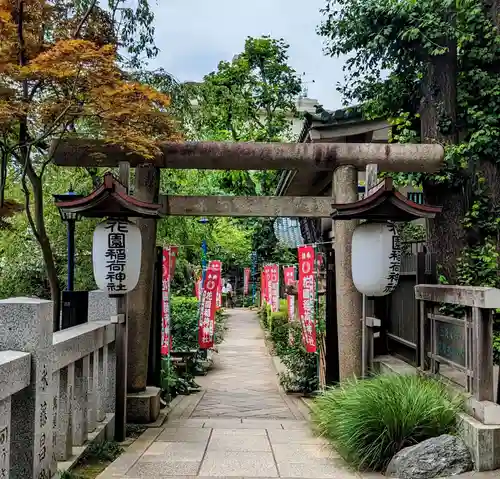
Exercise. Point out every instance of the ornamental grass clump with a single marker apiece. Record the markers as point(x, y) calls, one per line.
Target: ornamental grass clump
point(368, 421)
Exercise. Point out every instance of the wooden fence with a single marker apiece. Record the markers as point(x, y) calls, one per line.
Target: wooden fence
point(400, 310)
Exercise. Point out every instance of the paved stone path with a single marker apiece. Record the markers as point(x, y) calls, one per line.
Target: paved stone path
point(240, 425)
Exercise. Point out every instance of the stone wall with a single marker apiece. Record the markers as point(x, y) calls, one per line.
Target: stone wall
point(57, 390)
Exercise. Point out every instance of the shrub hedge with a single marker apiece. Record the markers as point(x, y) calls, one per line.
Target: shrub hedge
point(302, 369)
point(184, 323)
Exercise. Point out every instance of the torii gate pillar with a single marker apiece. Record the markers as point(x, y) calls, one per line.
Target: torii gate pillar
point(140, 302)
point(349, 299)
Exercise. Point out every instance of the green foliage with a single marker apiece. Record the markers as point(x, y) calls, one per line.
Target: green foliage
point(301, 367)
point(368, 421)
point(175, 381)
point(95, 459)
point(227, 239)
point(411, 232)
point(184, 331)
point(67, 475)
point(250, 98)
point(496, 348)
point(408, 40)
point(103, 451)
point(184, 324)
point(22, 270)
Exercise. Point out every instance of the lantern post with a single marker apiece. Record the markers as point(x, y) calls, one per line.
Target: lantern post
point(373, 249)
point(204, 252)
point(116, 257)
point(70, 219)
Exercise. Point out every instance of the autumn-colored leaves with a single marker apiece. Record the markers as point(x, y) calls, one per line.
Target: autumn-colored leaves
point(66, 85)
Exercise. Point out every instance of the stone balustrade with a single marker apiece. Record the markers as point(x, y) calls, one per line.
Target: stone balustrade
point(459, 348)
point(57, 390)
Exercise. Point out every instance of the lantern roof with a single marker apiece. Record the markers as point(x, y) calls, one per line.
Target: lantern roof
point(385, 203)
point(109, 200)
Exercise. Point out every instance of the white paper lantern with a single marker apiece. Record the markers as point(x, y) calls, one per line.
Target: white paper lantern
point(376, 258)
point(116, 255)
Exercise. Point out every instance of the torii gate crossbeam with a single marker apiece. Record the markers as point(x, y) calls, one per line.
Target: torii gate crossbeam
point(255, 156)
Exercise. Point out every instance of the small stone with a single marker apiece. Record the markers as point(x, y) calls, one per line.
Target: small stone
point(436, 457)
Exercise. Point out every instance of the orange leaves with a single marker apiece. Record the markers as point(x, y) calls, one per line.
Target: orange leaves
point(133, 115)
point(69, 59)
point(74, 84)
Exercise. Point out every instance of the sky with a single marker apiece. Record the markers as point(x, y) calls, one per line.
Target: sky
point(194, 35)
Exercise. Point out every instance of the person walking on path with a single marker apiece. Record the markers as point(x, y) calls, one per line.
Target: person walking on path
point(229, 294)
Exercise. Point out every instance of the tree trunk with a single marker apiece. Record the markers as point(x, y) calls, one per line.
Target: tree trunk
point(446, 236)
point(43, 240)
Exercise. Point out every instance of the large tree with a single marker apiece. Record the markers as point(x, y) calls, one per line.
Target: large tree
point(62, 75)
point(250, 98)
point(404, 64)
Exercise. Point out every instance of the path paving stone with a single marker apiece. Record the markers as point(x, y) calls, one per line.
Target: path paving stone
point(239, 426)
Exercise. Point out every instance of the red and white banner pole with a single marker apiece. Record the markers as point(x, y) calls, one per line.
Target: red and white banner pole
point(267, 274)
point(217, 265)
point(306, 296)
point(275, 288)
point(289, 275)
point(167, 271)
point(246, 281)
point(208, 306)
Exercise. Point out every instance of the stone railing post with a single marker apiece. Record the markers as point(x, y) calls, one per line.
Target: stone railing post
point(26, 325)
point(102, 308)
point(482, 322)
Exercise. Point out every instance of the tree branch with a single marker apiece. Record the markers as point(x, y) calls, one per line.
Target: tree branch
point(85, 17)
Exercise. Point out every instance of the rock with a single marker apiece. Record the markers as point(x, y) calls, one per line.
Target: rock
point(436, 457)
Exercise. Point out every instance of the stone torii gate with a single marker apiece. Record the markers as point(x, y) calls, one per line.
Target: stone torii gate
point(343, 158)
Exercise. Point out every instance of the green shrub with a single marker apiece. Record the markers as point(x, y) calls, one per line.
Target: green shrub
point(301, 367)
point(368, 421)
point(184, 323)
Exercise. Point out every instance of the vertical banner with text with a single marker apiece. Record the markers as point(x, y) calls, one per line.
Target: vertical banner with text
point(254, 277)
point(246, 280)
point(262, 288)
point(306, 295)
point(208, 306)
point(275, 288)
point(267, 282)
point(166, 339)
point(197, 288)
point(289, 275)
point(217, 265)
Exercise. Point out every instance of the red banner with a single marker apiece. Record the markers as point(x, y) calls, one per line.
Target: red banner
point(208, 306)
point(306, 294)
point(262, 288)
point(166, 338)
point(274, 293)
point(246, 280)
point(216, 264)
point(267, 282)
point(289, 275)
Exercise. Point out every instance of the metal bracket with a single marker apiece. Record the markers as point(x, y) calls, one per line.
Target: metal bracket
point(373, 322)
point(118, 318)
